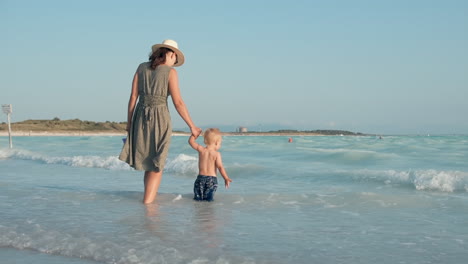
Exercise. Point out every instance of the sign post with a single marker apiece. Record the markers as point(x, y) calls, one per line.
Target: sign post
point(8, 109)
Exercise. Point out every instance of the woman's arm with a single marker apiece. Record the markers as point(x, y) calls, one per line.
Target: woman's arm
point(132, 101)
point(179, 103)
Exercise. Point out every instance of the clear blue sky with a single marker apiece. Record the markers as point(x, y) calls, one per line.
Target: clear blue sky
point(365, 66)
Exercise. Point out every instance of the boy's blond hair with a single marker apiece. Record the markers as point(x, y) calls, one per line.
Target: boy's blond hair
point(212, 135)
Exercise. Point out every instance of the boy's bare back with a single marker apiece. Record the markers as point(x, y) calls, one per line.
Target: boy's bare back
point(207, 161)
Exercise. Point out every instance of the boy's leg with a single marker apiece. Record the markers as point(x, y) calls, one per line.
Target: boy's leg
point(198, 189)
point(210, 188)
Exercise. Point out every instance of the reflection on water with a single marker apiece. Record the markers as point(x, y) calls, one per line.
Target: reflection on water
point(153, 221)
point(207, 224)
point(201, 225)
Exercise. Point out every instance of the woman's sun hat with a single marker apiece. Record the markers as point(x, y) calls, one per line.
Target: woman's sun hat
point(172, 45)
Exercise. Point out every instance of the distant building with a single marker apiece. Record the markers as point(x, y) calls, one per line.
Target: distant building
point(242, 129)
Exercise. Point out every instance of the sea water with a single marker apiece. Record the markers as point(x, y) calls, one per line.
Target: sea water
point(319, 199)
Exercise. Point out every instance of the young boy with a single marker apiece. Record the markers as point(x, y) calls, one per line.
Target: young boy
point(209, 159)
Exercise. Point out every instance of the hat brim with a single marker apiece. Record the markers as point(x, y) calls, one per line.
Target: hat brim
point(180, 55)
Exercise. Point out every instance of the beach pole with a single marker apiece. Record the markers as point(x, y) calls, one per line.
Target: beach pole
point(8, 109)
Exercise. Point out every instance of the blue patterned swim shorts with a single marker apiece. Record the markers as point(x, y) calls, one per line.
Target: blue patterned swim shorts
point(205, 187)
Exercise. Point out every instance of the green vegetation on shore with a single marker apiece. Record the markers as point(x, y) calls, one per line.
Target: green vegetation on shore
point(73, 125)
point(77, 125)
point(317, 132)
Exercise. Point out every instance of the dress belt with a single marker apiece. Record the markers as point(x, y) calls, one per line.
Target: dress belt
point(149, 101)
point(153, 100)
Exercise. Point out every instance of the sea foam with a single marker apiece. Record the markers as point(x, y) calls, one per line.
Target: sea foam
point(44, 240)
point(109, 162)
point(182, 164)
point(435, 180)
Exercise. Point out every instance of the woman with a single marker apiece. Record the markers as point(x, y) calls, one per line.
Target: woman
point(149, 123)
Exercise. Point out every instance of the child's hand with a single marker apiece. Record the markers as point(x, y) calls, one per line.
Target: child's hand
point(226, 182)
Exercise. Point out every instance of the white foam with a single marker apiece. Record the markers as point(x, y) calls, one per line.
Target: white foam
point(241, 200)
point(220, 260)
point(98, 249)
point(178, 197)
point(183, 164)
point(110, 162)
point(445, 181)
point(354, 154)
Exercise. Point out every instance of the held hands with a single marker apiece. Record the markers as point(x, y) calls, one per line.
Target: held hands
point(226, 182)
point(196, 131)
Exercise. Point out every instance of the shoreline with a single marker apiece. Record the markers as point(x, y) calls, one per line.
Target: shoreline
point(123, 134)
point(59, 133)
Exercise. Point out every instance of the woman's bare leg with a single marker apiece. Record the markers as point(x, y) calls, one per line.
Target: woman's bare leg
point(152, 180)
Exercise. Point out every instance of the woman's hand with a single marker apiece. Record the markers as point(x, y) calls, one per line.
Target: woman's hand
point(196, 131)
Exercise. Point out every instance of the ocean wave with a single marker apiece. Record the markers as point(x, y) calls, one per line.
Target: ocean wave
point(182, 164)
point(109, 162)
point(117, 249)
point(348, 155)
point(433, 180)
point(55, 242)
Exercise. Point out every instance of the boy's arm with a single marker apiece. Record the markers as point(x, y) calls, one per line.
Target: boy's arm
point(220, 167)
point(193, 143)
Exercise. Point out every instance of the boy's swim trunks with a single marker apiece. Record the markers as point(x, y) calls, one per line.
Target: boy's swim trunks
point(205, 187)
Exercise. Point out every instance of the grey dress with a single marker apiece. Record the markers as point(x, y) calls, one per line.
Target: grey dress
point(148, 141)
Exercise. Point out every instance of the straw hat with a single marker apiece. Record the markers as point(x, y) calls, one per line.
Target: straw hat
point(172, 45)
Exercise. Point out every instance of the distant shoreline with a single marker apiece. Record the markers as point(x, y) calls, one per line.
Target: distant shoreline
point(77, 127)
point(123, 134)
